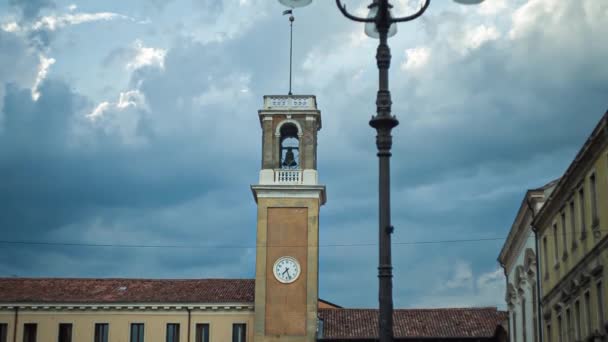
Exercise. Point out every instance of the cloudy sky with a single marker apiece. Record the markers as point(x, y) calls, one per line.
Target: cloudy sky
point(135, 123)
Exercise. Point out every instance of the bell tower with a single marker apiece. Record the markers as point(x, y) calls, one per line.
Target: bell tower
point(288, 197)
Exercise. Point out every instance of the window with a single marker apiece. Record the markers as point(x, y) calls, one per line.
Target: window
point(573, 224)
point(202, 333)
point(172, 332)
point(593, 200)
point(523, 318)
point(3, 329)
point(564, 234)
point(29, 332)
point(289, 147)
point(560, 329)
point(600, 305)
point(65, 332)
point(514, 324)
point(320, 325)
point(577, 317)
point(534, 312)
point(239, 333)
point(545, 257)
point(556, 252)
point(588, 312)
point(568, 325)
point(137, 332)
point(581, 201)
point(101, 332)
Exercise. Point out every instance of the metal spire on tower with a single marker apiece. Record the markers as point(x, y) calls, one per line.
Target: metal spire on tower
point(291, 20)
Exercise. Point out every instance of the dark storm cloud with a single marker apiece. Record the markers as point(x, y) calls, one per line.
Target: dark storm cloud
point(69, 178)
point(171, 164)
point(476, 131)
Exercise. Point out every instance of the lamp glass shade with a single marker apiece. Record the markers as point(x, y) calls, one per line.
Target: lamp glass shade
point(370, 28)
point(468, 2)
point(295, 3)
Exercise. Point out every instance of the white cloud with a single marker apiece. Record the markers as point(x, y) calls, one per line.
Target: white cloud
point(43, 70)
point(11, 27)
point(54, 22)
point(219, 26)
point(527, 16)
point(131, 98)
point(492, 7)
point(404, 8)
point(237, 88)
point(491, 279)
point(122, 118)
point(462, 278)
point(146, 56)
point(128, 99)
point(479, 35)
point(416, 58)
point(465, 289)
point(99, 110)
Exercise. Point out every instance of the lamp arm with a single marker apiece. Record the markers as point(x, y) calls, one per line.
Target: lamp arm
point(352, 17)
point(413, 16)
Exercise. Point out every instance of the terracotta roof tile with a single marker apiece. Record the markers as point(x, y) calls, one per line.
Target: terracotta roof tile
point(55, 290)
point(409, 323)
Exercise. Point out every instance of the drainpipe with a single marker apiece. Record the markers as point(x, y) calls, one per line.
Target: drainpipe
point(539, 319)
point(15, 324)
point(189, 320)
point(504, 269)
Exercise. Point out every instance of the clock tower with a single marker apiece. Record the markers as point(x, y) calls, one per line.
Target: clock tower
point(288, 196)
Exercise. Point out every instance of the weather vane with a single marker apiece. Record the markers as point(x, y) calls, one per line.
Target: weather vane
point(292, 4)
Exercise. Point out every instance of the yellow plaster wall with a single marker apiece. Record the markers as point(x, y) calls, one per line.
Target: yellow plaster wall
point(155, 324)
point(553, 274)
point(594, 236)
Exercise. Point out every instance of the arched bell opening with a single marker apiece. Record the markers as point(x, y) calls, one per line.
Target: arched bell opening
point(289, 147)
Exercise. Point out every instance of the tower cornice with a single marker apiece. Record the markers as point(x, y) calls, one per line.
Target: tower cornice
point(289, 191)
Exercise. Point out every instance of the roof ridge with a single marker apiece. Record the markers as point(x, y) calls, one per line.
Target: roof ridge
point(422, 309)
point(118, 278)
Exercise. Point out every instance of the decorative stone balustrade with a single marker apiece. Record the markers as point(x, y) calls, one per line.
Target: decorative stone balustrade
point(284, 102)
point(288, 176)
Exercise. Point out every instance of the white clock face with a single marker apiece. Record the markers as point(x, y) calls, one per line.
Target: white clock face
point(286, 269)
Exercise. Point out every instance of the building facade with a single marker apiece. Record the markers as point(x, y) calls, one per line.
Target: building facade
point(572, 230)
point(280, 304)
point(126, 310)
point(518, 258)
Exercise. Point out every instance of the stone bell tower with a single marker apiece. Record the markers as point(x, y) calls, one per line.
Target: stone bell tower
point(288, 197)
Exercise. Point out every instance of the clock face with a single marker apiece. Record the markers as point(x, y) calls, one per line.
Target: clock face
point(286, 269)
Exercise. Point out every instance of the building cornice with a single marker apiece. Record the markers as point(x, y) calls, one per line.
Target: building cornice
point(520, 227)
point(289, 191)
point(212, 307)
point(594, 144)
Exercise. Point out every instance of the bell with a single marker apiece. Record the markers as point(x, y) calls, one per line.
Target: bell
point(290, 160)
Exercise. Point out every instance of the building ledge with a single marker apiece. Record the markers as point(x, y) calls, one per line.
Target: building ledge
point(289, 191)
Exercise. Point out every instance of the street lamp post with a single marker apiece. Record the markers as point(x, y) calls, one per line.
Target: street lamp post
point(384, 122)
point(381, 24)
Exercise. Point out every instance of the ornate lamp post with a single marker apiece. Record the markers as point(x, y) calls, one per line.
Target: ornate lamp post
point(381, 24)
